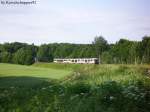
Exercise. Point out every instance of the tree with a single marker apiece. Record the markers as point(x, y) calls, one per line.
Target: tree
point(24, 56)
point(145, 48)
point(123, 51)
point(44, 54)
point(100, 45)
point(5, 57)
point(133, 57)
point(106, 58)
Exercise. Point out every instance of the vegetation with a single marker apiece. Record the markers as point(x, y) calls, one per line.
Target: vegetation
point(24, 56)
point(89, 88)
point(44, 54)
point(52, 87)
point(122, 52)
point(30, 71)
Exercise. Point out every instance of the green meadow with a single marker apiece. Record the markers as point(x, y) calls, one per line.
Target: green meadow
point(51, 87)
point(31, 71)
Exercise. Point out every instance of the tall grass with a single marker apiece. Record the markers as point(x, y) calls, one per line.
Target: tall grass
point(97, 74)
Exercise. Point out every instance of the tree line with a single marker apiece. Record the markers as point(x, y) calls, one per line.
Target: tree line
point(122, 52)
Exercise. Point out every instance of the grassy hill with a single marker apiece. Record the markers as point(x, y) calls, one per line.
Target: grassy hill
point(51, 87)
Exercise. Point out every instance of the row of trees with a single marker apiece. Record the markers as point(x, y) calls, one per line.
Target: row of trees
point(128, 52)
point(122, 52)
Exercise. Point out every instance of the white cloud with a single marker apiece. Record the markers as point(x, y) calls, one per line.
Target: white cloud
point(58, 22)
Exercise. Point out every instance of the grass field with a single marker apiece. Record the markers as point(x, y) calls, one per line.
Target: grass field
point(50, 87)
point(31, 71)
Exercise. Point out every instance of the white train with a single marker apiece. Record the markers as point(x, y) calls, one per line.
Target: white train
point(77, 60)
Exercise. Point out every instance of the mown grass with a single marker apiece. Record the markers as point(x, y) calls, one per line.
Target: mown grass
point(60, 66)
point(90, 88)
point(20, 70)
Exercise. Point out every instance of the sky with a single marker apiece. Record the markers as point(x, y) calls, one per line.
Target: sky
point(74, 21)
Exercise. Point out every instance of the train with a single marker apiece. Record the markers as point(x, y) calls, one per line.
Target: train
point(77, 60)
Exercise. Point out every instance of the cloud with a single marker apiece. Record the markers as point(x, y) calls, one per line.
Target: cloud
point(73, 21)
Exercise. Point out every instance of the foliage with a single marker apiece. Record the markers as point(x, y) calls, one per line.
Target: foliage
point(44, 54)
point(5, 57)
point(145, 49)
point(100, 45)
point(106, 58)
point(122, 52)
point(24, 56)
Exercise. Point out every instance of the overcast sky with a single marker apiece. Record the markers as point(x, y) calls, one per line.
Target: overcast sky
point(74, 21)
